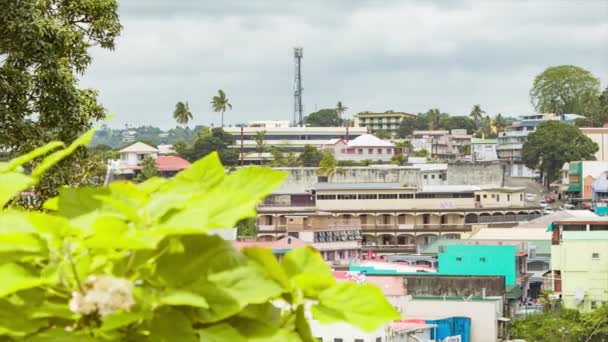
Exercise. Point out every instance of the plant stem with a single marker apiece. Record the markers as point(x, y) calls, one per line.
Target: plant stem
point(75, 272)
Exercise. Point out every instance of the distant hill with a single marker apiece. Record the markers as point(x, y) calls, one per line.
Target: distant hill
point(118, 138)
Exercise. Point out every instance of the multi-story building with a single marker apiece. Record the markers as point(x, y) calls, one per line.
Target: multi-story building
point(598, 135)
point(364, 147)
point(444, 145)
point(387, 121)
point(483, 150)
point(291, 139)
point(388, 216)
point(580, 177)
point(579, 252)
point(510, 143)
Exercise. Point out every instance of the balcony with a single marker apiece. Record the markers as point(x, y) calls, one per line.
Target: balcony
point(417, 228)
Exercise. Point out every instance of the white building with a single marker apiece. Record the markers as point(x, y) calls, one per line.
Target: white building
point(364, 147)
point(133, 154)
point(269, 123)
point(442, 144)
point(483, 149)
point(292, 139)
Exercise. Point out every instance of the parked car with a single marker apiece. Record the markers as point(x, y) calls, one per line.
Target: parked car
point(569, 207)
point(548, 210)
point(530, 197)
point(544, 204)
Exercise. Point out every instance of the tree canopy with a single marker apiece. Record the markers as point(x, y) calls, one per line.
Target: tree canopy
point(209, 140)
point(341, 109)
point(44, 49)
point(553, 144)
point(220, 104)
point(148, 169)
point(328, 117)
point(310, 157)
point(565, 89)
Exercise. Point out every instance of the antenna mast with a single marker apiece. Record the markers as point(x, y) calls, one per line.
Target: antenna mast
point(297, 106)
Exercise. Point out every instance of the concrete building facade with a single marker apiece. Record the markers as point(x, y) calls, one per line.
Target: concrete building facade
point(374, 121)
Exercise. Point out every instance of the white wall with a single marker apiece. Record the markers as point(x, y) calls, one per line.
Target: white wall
point(484, 314)
point(346, 332)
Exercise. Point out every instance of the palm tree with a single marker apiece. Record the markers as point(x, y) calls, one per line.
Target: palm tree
point(327, 166)
point(434, 116)
point(500, 123)
point(220, 104)
point(477, 114)
point(260, 142)
point(341, 109)
point(182, 113)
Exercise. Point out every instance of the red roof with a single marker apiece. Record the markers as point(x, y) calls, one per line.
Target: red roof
point(171, 163)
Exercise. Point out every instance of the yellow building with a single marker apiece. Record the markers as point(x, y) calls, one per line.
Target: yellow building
point(387, 121)
point(580, 252)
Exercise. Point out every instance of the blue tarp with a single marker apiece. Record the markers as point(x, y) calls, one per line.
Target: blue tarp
point(451, 327)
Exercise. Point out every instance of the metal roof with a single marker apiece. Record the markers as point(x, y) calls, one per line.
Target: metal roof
point(358, 186)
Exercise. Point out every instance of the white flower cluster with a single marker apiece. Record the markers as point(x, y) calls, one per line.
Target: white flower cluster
point(103, 295)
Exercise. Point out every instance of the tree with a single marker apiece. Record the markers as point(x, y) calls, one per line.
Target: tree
point(553, 144)
point(382, 134)
point(44, 50)
point(458, 122)
point(565, 89)
point(477, 114)
point(260, 144)
point(246, 227)
point(282, 159)
point(220, 104)
point(323, 118)
point(148, 169)
point(422, 153)
point(182, 113)
point(215, 139)
point(327, 166)
point(434, 119)
point(341, 109)
point(310, 157)
point(500, 123)
point(407, 126)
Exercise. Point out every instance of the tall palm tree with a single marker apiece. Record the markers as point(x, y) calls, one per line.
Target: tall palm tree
point(434, 116)
point(260, 143)
point(500, 123)
point(182, 113)
point(220, 104)
point(341, 109)
point(477, 114)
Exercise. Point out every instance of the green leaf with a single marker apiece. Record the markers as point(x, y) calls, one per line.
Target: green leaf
point(182, 297)
point(302, 326)
point(202, 175)
point(363, 306)
point(119, 319)
point(256, 331)
point(257, 182)
point(56, 334)
point(171, 325)
point(11, 184)
point(21, 242)
point(16, 278)
point(14, 320)
point(313, 284)
point(305, 260)
point(113, 233)
point(56, 157)
point(151, 185)
point(19, 161)
point(15, 221)
point(221, 304)
point(247, 285)
point(81, 205)
point(265, 312)
point(268, 263)
point(220, 333)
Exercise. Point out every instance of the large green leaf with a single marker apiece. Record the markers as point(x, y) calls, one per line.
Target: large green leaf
point(256, 331)
point(183, 298)
point(11, 184)
point(58, 334)
point(19, 161)
point(221, 304)
point(305, 260)
point(14, 321)
point(111, 232)
point(363, 306)
point(56, 157)
point(268, 263)
point(302, 326)
point(221, 332)
point(16, 278)
point(201, 176)
point(171, 325)
point(81, 205)
point(119, 319)
point(247, 284)
point(15, 221)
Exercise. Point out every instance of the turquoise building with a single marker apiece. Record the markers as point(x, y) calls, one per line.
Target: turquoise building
point(483, 260)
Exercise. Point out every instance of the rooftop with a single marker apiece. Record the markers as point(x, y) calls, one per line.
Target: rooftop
point(544, 221)
point(516, 233)
point(358, 186)
point(171, 163)
point(368, 140)
point(139, 147)
point(484, 141)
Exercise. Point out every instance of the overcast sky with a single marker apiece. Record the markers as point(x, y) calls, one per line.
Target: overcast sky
point(371, 55)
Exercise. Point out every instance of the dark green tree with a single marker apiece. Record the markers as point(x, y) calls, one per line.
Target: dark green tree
point(407, 126)
point(246, 228)
point(310, 157)
point(215, 139)
point(553, 144)
point(382, 134)
point(341, 109)
point(500, 123)
point(148, 169)
point(280, 158)
point(182, 114)
point(44, 50)
point(323, 118)
point(260, 144)
point(458, 122)
point(327, 166)
point(565, 89)
point(477, 114)
point(434, 119)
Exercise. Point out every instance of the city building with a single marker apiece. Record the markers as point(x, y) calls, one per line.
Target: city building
point(290, 139)
point(132, 156)
point(364, 147)
point(598, 135)
point(600, 187)
point(270, 123)
point(135, 153)
point(483, 150)
point(580, 177)
point(389, 217)
point(442, 144)
point(579, 252)
point(510, 143)
point(387, 121)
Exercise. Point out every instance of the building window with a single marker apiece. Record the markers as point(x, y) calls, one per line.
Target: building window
point(425, 176)
point(359, 340)
point(432, 176)
point(594, 305)
point(596, 227)
point(388, 151)
point(340, 255)
point(485, 196)
point(379, 151)
point(387, 196)
point(326, 197)
point(338, 340)
point(378, 339)
point(492, 195)
point(508, 198)
point(574, 228)
point(521, 197)
point(482, 259)
point(595, 255)
point(347, 197)
point(370, 151)
point(360, 151)
point(406, 196)
point(459, 259)
point(497, 198)
point(368, 196)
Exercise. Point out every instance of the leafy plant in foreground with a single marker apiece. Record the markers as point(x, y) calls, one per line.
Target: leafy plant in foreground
point(134, 263)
